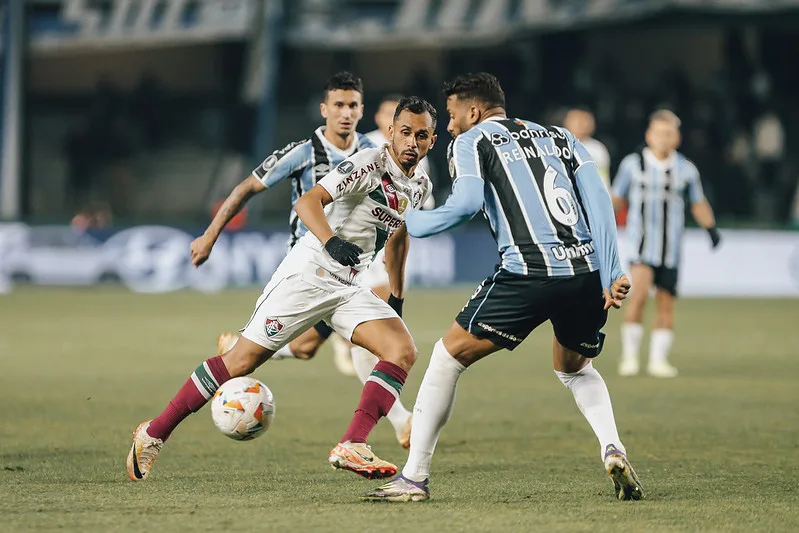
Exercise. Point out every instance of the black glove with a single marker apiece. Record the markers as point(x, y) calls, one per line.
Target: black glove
point(343, 251)
point(715, 236)
point(396, 304)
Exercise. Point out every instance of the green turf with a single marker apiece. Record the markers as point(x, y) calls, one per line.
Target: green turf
point(717, 448)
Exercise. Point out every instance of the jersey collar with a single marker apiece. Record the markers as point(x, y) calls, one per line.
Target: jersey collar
point(320, 132)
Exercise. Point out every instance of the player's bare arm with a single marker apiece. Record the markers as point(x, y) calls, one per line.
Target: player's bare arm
point(311, 210)
point(396, 255)
point(202, 245)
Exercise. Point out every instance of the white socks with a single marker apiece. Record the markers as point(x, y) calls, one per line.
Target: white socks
point(591, 395)
point(660, 344)
point(283, 353)
point(364, 362)
point(631, 335)
point(432, 410)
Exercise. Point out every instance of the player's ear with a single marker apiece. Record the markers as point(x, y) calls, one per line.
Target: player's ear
point(474, 115)
point(391, 132)
point(433, 141)
point(323, 110)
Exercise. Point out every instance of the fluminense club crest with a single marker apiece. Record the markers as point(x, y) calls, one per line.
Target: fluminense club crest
point(273, 326)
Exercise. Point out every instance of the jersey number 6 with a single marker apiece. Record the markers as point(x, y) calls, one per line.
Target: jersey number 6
point(559, 200)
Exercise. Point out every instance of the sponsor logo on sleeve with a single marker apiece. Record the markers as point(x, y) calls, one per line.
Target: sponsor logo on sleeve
point(269, 163)
point(345, 167)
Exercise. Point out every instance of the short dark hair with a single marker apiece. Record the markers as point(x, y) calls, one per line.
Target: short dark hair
point(345, 81)
point(393, 97)
point(481, 86)
point(417, 106)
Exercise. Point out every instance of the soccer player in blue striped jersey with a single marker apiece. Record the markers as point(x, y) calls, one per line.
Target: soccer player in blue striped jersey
point(553, 221)
point(304, 163)
point(655, 183)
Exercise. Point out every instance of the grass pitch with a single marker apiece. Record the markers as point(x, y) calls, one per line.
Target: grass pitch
point(716, 448)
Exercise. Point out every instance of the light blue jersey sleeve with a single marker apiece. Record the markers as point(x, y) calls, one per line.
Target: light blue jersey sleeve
point(283, 163)
point(624, 176)
point(466, 199)
point(695, 192)
point(601, 218)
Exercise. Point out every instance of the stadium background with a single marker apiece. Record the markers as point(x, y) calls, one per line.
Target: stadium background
point(120, 115)
point(124, 122)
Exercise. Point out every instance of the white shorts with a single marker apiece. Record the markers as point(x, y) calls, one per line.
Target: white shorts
point(293, 303)
point(376, 275)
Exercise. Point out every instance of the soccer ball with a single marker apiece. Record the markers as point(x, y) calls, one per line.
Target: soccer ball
point(243, 408)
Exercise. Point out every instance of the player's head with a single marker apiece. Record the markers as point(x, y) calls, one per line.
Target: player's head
point(469, 97)
point(580, 122)
point(663, 133)
point(385, 112)
point(342, 103)
point(412, 132)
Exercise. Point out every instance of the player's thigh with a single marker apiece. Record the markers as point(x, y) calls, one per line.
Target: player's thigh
point(642, 277)
point(580, 315)
point(504, 309)
point(286, 309)
point(371, 323)
point(467, 348)
point(357, 307)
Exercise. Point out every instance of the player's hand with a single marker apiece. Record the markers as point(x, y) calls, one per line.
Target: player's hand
point(715, 236)
point(618, 292)
point(200, 250)
point(343, 251)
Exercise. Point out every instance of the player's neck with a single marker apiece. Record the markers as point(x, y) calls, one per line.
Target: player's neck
point(342, 142)
point(661, 156)
point(494, 112)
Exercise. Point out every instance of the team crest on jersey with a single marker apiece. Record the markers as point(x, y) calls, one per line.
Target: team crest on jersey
point(269, 162)
point(273, 326)
point(452, 168)
point(345, 167)
point(402, 205)
point(417, 198)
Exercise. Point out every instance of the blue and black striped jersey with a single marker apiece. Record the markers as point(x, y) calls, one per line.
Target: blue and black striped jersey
point(655, 192)
point(531, 198)
point(304, 162)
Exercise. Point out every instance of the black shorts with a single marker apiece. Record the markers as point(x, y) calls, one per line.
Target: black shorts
point(665, 278)
point(506, 307)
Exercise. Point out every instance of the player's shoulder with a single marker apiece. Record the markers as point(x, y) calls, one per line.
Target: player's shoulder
point(633, 158)
point(686, 164)
point(363, 162)
point(293, 146)
point(369, 140)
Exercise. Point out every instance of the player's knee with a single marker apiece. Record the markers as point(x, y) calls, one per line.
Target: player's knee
point(404, 354)
point(241, 363)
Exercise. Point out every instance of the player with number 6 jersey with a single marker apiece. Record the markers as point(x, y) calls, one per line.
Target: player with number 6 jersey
point(553, 221)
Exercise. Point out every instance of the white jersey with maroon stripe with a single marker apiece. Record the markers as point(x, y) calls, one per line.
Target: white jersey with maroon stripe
point(371, 196)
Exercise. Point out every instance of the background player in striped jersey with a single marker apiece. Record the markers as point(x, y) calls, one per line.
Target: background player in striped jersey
point(304, 163)
point(553, 222)
point(582, 124)
point(655, 183)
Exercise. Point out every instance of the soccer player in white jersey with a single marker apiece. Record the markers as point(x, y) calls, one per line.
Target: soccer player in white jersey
point(302, 162)
point(582, 124)
point(351, 213)
point(654, 183)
